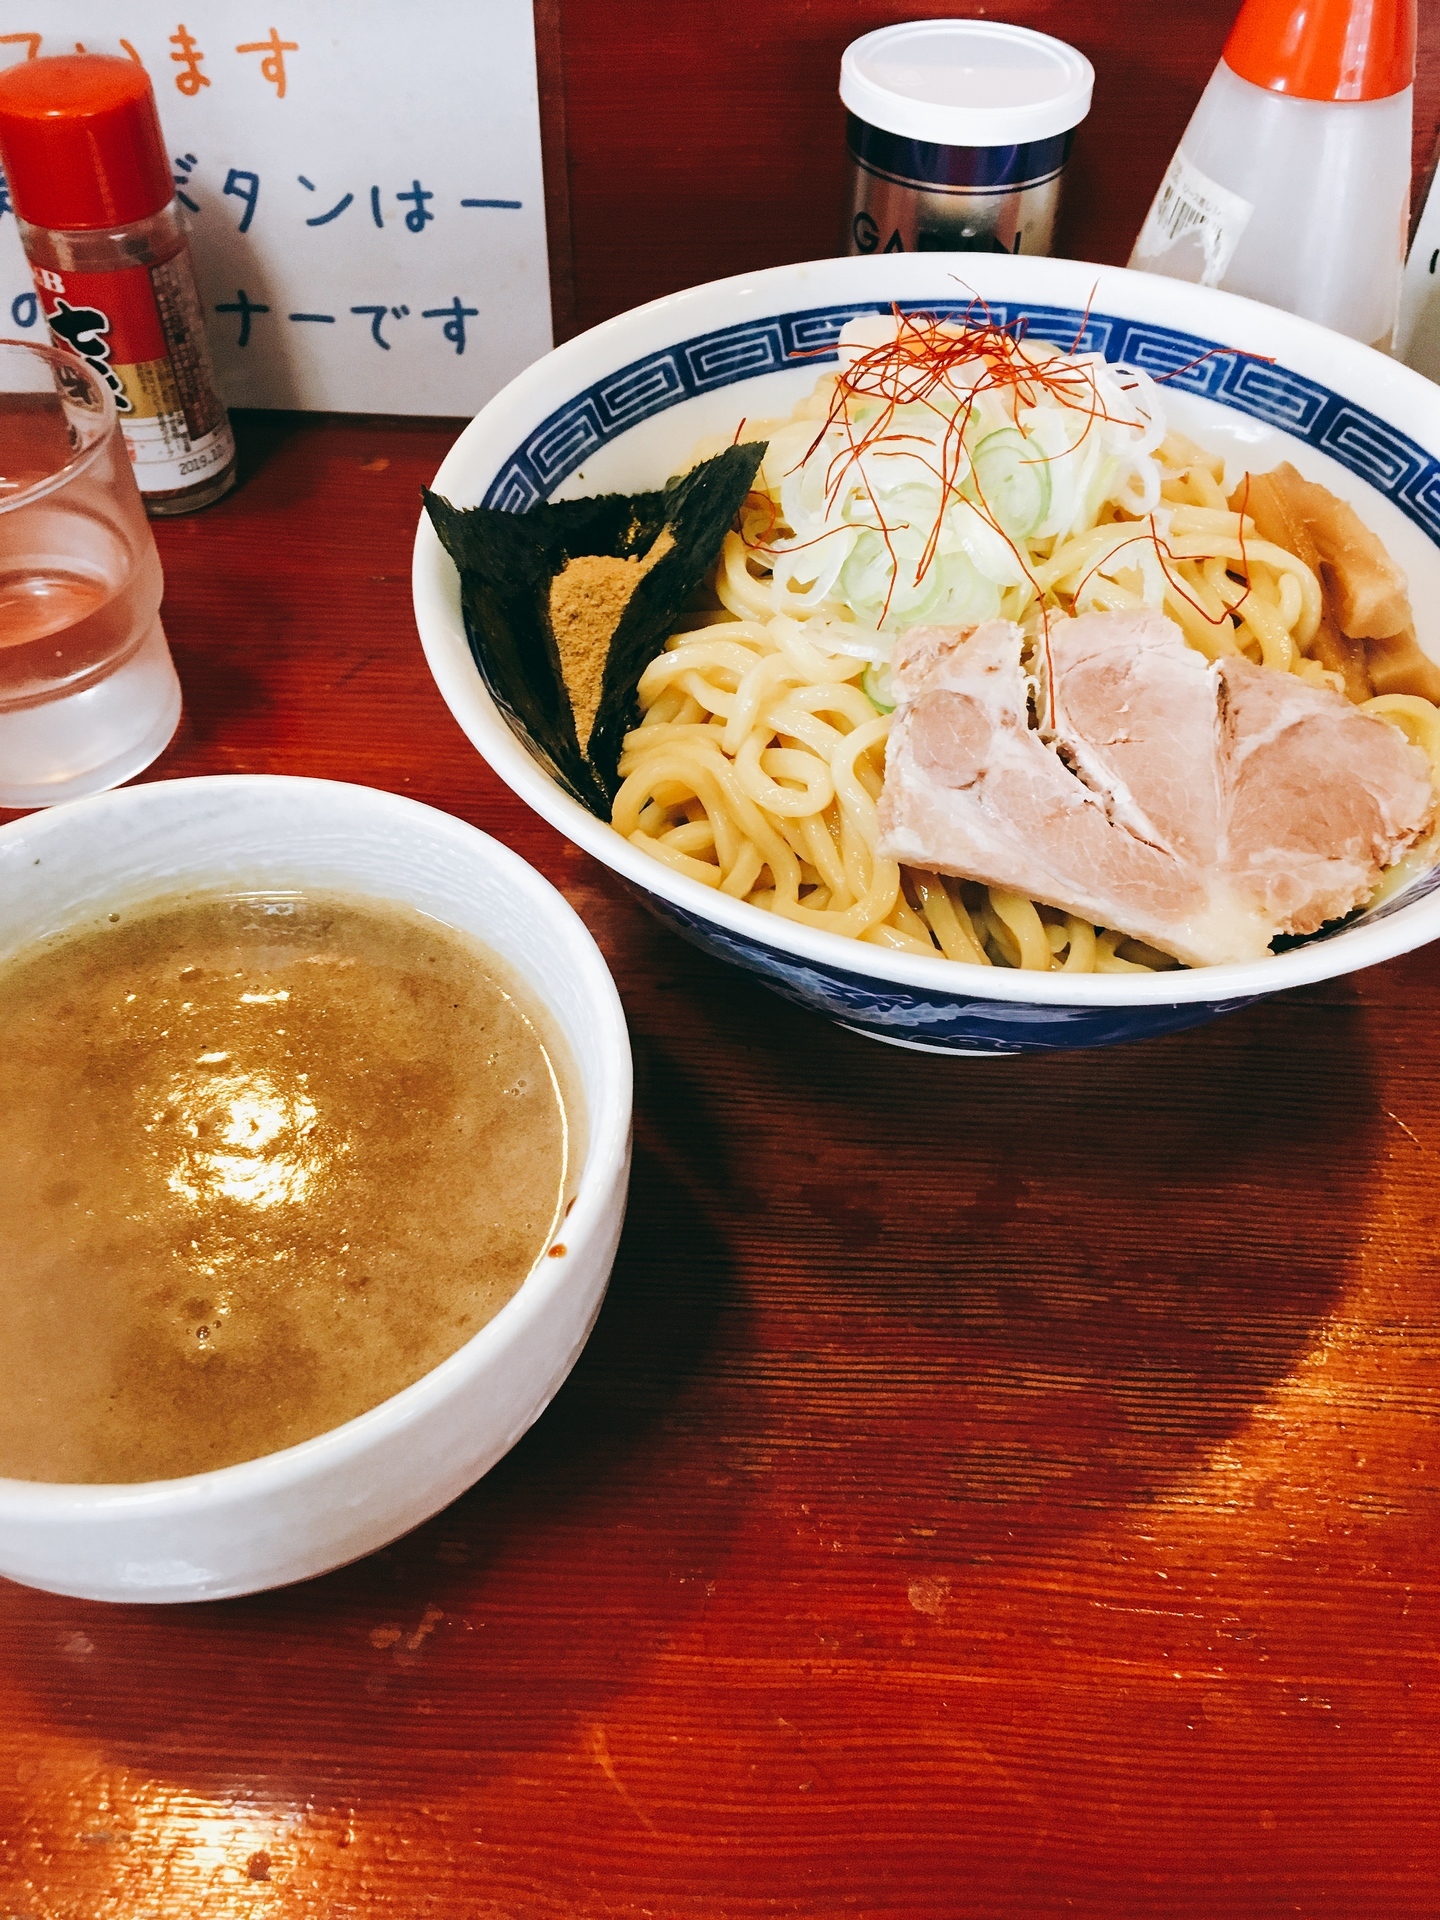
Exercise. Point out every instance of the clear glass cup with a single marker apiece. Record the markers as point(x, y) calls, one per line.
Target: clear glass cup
point(88, 691)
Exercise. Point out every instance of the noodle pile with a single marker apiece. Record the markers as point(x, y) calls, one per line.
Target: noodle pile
point(760, 754)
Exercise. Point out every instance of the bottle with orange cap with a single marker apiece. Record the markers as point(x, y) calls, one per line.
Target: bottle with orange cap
point(83, 154)
point(1292, 181)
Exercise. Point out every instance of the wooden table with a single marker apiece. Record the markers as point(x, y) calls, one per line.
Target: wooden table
point(992, 1489)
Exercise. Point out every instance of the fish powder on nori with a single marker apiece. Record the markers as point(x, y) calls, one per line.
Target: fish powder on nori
point(588, 597)
point(507, 563)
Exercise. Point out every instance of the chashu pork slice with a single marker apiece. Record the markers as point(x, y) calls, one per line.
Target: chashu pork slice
point(1133, 709)
point(971, 788)
point(1202, 807)
point(1319, 798)
point(1301, 800)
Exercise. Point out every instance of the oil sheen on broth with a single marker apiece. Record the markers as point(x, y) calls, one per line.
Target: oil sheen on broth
point(266, 1160)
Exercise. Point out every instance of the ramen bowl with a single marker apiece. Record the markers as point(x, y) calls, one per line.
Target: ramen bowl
point(310, 1507)
point(621, 408)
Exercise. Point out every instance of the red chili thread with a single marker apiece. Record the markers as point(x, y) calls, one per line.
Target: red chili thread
point(920, 368)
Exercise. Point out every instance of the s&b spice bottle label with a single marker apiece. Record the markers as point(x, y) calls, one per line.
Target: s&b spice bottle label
point(94, 199)
point(141, 329)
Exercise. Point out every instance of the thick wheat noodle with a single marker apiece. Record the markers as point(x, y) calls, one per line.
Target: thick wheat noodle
point(815, 789)
point(708, 775)
point(1209, 630)
point(762, 679)
point(759, 757)
point(1027, 929)
point(1083, 553)
point(948, 920)
point(1417, 718)
point(1107, 960)
point(1081, 956)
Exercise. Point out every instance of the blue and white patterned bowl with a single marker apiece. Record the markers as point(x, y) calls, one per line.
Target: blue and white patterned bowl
point(622, 406)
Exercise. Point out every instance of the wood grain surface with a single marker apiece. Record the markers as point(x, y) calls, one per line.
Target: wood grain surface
point(994, 1488)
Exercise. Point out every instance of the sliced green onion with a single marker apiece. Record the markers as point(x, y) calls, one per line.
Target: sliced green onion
point(1012, 480)
point(876, 682)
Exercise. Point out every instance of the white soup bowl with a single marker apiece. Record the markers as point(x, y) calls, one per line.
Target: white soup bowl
point(311, 1507)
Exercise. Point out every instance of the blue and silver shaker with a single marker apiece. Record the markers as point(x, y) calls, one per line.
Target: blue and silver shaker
point(959, 131)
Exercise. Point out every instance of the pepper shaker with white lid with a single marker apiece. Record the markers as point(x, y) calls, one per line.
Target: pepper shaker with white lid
point(959, 132)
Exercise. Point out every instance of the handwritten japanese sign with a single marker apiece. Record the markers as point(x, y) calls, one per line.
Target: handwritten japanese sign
point(362, 184)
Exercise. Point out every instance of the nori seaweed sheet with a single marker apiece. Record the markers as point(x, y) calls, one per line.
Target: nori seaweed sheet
point(506, 562)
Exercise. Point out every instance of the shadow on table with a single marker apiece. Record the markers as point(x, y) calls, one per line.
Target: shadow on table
point(217, 688)
point(1054, 1282)
point(1011, 1300)
point(260, 433)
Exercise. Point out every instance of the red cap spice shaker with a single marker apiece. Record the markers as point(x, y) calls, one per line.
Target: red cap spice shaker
point(82, 150)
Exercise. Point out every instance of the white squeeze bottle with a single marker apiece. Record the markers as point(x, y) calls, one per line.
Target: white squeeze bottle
point(1292, 181)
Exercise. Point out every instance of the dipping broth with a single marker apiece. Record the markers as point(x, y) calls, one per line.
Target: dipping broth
point(267, 1159)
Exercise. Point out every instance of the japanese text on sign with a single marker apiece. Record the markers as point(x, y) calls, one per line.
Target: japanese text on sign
point(364, 235)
